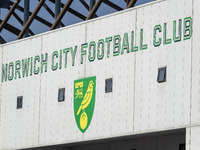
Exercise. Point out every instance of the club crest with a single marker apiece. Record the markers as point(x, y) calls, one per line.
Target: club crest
point(84, 101)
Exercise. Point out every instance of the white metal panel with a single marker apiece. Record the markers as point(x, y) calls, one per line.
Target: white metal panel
point(188, 139)
point(146, 68)
point(179, 62)
point(195, 101)
point(146, 71)
point(20, 126)
point(113, 113)
point(195, 140)
point(167, 104)
point(57, 121)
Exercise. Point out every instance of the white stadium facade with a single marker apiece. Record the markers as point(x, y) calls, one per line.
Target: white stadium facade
point(125, 81)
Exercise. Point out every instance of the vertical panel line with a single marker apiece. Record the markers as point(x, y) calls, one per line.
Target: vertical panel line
point(86, 51)
point(1, 86)
point(40, 98)
point(134, 97)
point(191, 96)
point(85, 56)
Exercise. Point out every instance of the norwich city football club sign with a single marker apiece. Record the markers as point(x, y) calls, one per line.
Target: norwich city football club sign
point(84, 101)
point(104, 48)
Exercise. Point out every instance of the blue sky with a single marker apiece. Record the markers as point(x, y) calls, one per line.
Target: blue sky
point(68, 19)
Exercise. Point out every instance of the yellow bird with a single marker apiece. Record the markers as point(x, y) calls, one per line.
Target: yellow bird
point(87, 98)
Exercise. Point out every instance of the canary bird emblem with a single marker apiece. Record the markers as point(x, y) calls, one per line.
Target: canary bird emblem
point(84, 101)
point(87, 98)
